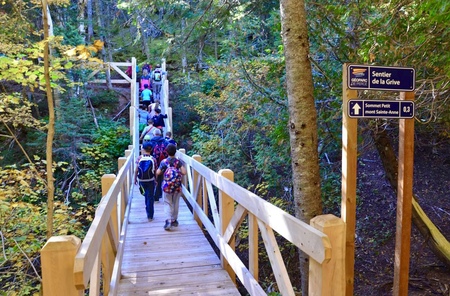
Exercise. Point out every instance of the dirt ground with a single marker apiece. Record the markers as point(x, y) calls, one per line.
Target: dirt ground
point(376, 222)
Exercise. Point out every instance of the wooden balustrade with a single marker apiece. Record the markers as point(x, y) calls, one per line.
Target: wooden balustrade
point(101, 252)
point(237, 204)
point(70, 266)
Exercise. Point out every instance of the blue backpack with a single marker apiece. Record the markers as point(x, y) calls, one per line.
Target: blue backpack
point(146, 168)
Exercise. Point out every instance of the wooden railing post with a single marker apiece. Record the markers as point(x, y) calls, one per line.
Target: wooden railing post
point(328, 279)
point(253, 250)
point(107, 181)
point(125, 187)
point(106, 249)
point(226, 210)
point(200, 198)
point(57, 261)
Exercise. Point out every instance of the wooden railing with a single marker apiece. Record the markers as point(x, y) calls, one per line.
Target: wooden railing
point(69, 266)
point(324, 241)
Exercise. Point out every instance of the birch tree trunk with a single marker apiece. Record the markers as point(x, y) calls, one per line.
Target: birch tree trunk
point(302, 119)
point(81, 20)
point(51, 124)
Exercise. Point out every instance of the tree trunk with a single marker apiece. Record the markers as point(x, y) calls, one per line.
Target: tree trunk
point(302, 119)
point(51, 125)
point(437, 242)
point(144, 38)
point(100, 24)
point(81, 20)
point(90, 34)
point(56, 93)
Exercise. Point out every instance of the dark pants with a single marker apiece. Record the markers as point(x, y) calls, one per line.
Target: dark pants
point(149, 191)
point(146, 103)
point(158, 190)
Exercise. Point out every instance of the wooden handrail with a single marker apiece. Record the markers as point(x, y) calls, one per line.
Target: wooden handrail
point(269, 218)
point(90, 247)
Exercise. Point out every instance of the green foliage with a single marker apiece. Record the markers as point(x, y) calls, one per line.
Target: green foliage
point(70, 33)
point(105, 100)
point(100, 156)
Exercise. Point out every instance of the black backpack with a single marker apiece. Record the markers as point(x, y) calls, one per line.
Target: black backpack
point(146, 168)
point(157, 75)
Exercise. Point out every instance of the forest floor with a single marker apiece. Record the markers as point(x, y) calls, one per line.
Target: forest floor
point(376, 223)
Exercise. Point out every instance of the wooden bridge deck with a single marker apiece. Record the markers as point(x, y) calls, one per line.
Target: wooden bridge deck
point(176, 262)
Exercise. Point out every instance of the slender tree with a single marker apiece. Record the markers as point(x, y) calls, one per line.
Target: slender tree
point(302, 119)
point(51, 123)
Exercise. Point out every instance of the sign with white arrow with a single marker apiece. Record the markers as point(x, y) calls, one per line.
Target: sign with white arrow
point(380, 109)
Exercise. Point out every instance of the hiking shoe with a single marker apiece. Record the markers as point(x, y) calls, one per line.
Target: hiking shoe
point(167, 225)
point(174, 223)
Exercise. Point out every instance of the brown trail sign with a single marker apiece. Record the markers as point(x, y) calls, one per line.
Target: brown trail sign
point(390, 79)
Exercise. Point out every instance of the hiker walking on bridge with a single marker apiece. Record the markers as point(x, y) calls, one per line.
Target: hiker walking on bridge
point(157, 77)
point(172, 170)
point(145, 176)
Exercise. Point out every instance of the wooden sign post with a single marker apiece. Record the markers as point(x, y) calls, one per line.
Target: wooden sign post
point(379, 78)
point(404, 203)
point(348, 186)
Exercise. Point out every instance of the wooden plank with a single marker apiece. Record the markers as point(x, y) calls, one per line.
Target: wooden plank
point(176, 262)
point(163, 272)
point(276, 260)
point(113, 81)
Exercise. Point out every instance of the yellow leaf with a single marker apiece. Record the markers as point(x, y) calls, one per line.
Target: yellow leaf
point(14, 100)
point(93, 48)
point(83, 56)
point(71, 52)
point(98, 44)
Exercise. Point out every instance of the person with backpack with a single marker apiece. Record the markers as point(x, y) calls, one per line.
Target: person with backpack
point(144, 117)
point(149, 130)
point(159, 153)
point(145, 176)
point(153, 107)
point(145, 78)
point(157, 77)
point(170, 140)
point(146, 96)
point(158, 119)
point(147, 67)
point(172, 170)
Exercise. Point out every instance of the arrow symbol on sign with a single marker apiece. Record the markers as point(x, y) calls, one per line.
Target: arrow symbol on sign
point(356, 109)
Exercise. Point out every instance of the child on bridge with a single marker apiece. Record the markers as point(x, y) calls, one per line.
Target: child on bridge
point(172, 168)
